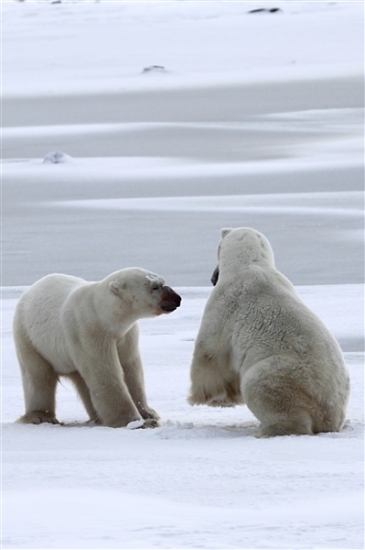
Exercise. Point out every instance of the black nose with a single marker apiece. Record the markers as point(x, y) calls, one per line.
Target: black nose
point(215, 276)
point(170, 300)
point(176, 299)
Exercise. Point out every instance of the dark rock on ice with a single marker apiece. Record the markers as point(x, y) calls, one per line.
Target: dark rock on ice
point(265, 10)
point(154, 68)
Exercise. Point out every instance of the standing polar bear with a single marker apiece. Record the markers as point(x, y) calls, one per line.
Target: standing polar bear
point(259, 344)
point(88, 332)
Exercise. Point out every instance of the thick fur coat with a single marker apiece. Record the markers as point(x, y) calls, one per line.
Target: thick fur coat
point(260, 345)
point(88, 332)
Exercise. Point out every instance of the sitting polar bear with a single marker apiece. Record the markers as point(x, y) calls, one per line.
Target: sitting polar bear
point(259, 344)
point(88, 332)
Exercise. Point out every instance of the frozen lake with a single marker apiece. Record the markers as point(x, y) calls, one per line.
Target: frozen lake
point(298, 175)
point(256, 126)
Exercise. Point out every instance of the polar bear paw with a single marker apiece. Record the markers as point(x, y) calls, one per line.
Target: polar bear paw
point(147, 413)
point(38, 417)
point(280, 429)
point(150, 423)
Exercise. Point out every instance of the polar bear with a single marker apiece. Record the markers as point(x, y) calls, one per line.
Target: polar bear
point(259, 344)
point(88, 332)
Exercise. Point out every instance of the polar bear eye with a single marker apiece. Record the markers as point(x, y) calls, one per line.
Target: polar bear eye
point(155, 287)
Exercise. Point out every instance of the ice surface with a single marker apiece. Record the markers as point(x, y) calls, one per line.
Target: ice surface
point(200, 480)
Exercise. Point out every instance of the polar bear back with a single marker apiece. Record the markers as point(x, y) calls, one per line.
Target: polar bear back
point(264, 307)
point(267, 317)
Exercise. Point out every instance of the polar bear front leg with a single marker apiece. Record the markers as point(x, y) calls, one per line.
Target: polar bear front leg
point(131, 362)
point(213, 381)
point(109, 393)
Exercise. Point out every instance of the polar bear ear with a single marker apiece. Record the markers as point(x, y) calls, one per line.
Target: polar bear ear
point(225, 231)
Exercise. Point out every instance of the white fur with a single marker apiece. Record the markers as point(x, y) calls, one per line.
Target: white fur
point(88, 332)
point(259, 344)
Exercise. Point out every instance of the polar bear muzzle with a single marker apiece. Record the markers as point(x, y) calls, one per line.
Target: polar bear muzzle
point(170, 300)
point(215, 276)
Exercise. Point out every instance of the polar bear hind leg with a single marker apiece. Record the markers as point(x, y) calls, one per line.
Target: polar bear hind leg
point(84, 395)
point(39, 383)
point(279, 401)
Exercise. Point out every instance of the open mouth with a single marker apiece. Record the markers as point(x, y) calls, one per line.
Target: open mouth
point(169, 308)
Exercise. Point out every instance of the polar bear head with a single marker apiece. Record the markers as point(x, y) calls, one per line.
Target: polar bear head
point(241, 247)
point(142, 291)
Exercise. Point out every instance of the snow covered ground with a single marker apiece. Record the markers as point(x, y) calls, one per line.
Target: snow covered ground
point(256, 120)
